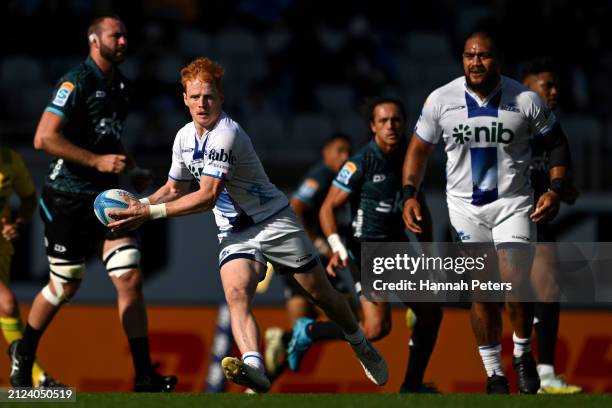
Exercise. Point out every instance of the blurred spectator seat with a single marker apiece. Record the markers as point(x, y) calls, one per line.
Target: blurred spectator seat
point(58, 66)
point(354, 126)
point(442, 72)
point(332, 40)
point(310, 130)
point(335, 99)
point(167, 69)
point(133, 129)
point(237, 41)
point(23, 87)
point(468, 18)
point(18, 70)
point(585, 136)
point(267, 133)
point(428, 45)
point(193, 43)
point(582, 128)
point(276, 41)
point(131, 68)
point(31, 101)
point(408, 71)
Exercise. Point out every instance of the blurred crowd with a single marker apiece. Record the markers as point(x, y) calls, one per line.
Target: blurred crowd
point(297, 70)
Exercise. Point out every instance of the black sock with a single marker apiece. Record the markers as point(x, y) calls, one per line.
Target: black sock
point(547, 330)
point(423, 340)
point(325, 330)
point(141, 357)
point(29, 343)
point(287, 338)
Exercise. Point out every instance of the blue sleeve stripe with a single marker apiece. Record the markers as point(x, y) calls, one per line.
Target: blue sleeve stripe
point(546, 130)
point(421, 137)
point(341, 186)
point(180, 180)
point(55, 111)
point(45, 210)
point(217, 176)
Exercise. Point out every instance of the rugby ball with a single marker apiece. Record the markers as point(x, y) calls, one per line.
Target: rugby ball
point(113, 199)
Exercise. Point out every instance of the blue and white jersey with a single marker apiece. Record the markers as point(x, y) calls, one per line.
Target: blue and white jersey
point(487, 141)
point(226, 152)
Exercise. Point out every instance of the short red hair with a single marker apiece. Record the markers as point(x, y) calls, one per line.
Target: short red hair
point(205, 70)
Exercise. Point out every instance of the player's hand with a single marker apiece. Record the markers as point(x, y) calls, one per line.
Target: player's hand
point(130, 218)
point(141, 179)
point(335, 263)
point(110, 163)
point(570, 194)
point(10, 231)
point(547, 207)
point(412, 215)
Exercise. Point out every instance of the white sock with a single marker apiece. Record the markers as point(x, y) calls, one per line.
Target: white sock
point(355, 338)
point(491, 358)
point(253, 359)
point(546, 369)
point(521, 346)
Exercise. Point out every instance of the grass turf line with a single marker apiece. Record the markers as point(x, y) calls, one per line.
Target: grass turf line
point(188, 400)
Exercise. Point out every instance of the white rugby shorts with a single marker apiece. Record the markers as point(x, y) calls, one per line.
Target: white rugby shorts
point(281, 240)
point(505, 220)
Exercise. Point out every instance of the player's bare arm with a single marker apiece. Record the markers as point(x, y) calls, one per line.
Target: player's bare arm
point(413, 172)
point(555, 143)
point(196, 202)
point(426, 234)
point(49, 137)
point(336, 198)
point(170, 191)
point(300, 208)
point(27, 205)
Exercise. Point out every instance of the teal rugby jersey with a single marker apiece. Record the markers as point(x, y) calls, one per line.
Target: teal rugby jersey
point(94, 109)
point(375, 184)
point(312, 191)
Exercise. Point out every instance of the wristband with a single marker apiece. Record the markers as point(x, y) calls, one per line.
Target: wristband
point(145, 201)
point(337, 246)
point(557, 185)
point(408, 191)
point(157, 211)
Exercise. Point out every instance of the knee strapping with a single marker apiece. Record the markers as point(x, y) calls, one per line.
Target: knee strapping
point(122, 259)
point(62, 271)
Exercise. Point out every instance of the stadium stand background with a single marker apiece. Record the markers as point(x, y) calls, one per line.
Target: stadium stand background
point(296, 70)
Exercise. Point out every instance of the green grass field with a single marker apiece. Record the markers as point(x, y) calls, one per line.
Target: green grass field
point(184, 400)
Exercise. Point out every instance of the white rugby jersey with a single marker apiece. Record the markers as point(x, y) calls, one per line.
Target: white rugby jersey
point(226, 152)
point(487, 141)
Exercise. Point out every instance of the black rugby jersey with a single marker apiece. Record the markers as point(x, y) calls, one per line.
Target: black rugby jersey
point(94, 109)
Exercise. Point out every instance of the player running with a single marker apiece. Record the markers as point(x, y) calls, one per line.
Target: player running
point(14, 177)
point(81, 127)
point(487, 122)
point(370, 181)
point(541, 77)
point(306, 202)
point(254, 220)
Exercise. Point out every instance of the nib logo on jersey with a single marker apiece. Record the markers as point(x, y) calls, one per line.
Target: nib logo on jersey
point(222, 156)
point(495, 133)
